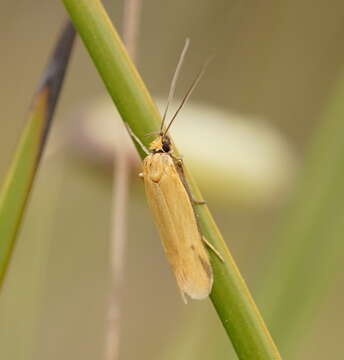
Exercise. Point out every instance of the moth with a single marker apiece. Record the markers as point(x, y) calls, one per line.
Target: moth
point(172, 205)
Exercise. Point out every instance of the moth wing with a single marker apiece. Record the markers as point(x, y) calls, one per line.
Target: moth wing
point(177, 225)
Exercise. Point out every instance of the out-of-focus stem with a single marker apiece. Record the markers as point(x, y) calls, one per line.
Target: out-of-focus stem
point(117, 254)
point(120, 187)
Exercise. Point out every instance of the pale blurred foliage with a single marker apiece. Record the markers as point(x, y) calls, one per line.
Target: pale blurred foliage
point(235, 158)
point(275, 61)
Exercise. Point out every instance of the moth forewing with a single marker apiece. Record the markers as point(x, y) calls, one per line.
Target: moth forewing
point(177, 224)
point(169, 200)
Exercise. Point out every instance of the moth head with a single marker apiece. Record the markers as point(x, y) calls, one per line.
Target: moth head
point(162, 144)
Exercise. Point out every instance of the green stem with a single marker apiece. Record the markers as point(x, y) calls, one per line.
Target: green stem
point(230, 295)
point(15, 191)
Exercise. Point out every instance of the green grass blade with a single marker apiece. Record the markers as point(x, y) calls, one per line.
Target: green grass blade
point(18, 182)
point(230, 295)
point(309, 244)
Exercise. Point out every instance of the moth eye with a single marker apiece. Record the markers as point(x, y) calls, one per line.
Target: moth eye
point(166, 147)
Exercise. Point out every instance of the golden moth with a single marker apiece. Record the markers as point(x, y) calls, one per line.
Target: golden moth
point(174, 215)
point(171, 203)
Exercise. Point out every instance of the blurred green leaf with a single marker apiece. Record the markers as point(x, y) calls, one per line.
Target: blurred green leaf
point(18, 183)
point(230, 295)
point(309, 245)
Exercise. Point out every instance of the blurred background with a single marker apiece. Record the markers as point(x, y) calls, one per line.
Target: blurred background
point(255, 134)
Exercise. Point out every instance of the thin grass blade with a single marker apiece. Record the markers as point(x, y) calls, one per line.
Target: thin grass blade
point(19, 179)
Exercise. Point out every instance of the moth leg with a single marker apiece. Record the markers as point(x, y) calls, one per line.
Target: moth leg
point(178, 160)
point(197, 202)
point(192, 198)
point(185, 300)
point(180, 164)
point(138, 141)
point(212, 248)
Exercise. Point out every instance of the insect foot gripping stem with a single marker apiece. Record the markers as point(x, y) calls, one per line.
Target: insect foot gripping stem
point(212, 248)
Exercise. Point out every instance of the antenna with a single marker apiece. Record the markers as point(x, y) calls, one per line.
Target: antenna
point(189, 92)
point(174, 81)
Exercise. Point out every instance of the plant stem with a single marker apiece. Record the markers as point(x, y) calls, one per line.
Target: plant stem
point(231, 297)
point(121, 178)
